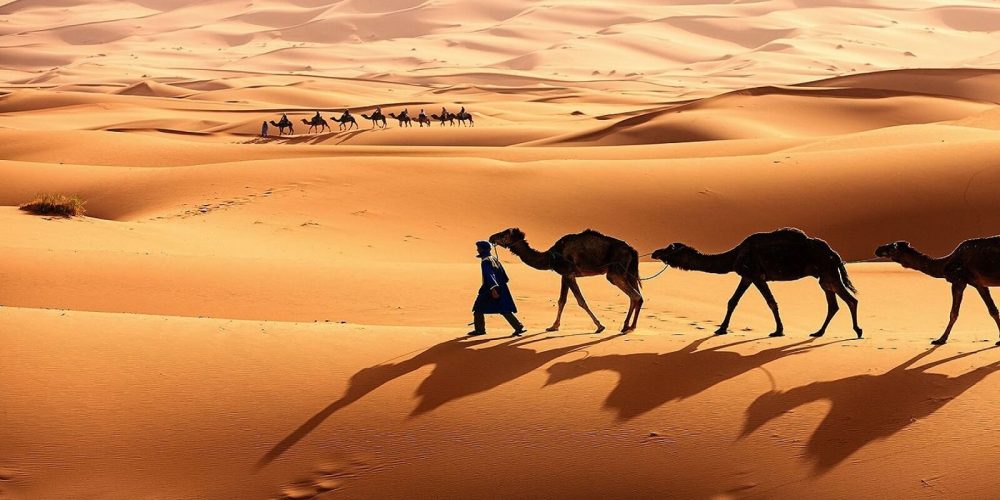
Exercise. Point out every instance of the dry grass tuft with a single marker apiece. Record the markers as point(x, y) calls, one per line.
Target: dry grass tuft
point(55, 204)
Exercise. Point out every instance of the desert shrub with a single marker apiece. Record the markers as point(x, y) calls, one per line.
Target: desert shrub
point(55, 204)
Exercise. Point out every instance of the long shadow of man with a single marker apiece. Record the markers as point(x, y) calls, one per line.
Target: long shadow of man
point(867, 407)
point(648, 381)
point(459, 371)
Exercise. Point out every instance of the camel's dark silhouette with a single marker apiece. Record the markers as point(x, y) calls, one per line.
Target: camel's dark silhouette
point(782, 255)
point(376, 118)
point(459, 371)
point(585, 254)
point(448, 117)
point(464, 116)
point(282, 125)
point(974, 262)
point(866, 407)
point(403, 119)
point(646, 381)
point(346, 121)
point(423, 120)
point(317, 123)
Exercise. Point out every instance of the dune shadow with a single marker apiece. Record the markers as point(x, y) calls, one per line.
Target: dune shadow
point(866, 407)
point(648, 380)
point(461, 369)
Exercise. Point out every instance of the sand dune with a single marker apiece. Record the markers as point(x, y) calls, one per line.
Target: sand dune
point(284, 317)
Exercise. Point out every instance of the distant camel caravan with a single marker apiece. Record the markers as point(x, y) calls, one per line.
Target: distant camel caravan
point(578, 255)
point(974, 262)
point(782, 255)
point(346, 121)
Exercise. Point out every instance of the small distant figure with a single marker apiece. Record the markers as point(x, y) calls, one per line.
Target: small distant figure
point(263, 129)
point(423, 119)
point(283, 124)
point(494, 296)
point(347, 120)
point(317, 117)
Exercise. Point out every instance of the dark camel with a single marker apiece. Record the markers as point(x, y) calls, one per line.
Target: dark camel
point(782, 255)
point(465, 116)
point(578, 255)
point(403, 118)
point(347, 121)
point(282, 125)
point(449, 117)
point(376, 118)
point(423, 120)
point(974, 262)
point(317, 123)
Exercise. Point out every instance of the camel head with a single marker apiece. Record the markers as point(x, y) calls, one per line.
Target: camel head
point(892, 250)
point(507, 237)
point(672, 254)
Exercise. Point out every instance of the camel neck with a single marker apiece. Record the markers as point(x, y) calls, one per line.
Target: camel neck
point(915, 260)
point(530, 256)
point(719, 263)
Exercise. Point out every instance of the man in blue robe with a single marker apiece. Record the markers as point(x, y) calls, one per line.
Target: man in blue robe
point(494, 296)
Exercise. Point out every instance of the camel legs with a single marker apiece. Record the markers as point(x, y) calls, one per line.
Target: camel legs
point(635, 300)
point(779, 330)
point(583, 303)
point(733, 302)
point(957, 289)
point(831, 310)
point(984, 292)
point(852, 304)
point(562, 304)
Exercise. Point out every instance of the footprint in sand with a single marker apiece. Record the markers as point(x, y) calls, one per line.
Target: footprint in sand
point(325, 479)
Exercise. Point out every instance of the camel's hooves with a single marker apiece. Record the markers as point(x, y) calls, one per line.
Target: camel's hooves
point(998, 343)
point(817, 334)
point(552, 329)
point(777, 334)
point(939, 342)
point(600, 328)
point(859, 332)
point(721, 331)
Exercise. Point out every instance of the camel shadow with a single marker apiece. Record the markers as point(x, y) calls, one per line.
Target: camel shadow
point(648, 381)
point(866, 407)
point(459, 371)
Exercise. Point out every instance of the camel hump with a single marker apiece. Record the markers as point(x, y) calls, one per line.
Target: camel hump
point(791, 232)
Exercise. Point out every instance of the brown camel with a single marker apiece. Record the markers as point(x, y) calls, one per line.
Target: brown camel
point(450, 118)
point(782, 255)
point(423, 120)
point(282, 125)
point(578, 255)
point(974, 262)
point(465, 116)
point(376, 118)
point(403, 118)
point(317, 123)
point(346, 120)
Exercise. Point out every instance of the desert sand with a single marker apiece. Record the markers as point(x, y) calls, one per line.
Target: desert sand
point(240, 317)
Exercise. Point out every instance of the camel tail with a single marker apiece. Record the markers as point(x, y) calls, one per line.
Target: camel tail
point(846, 279)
